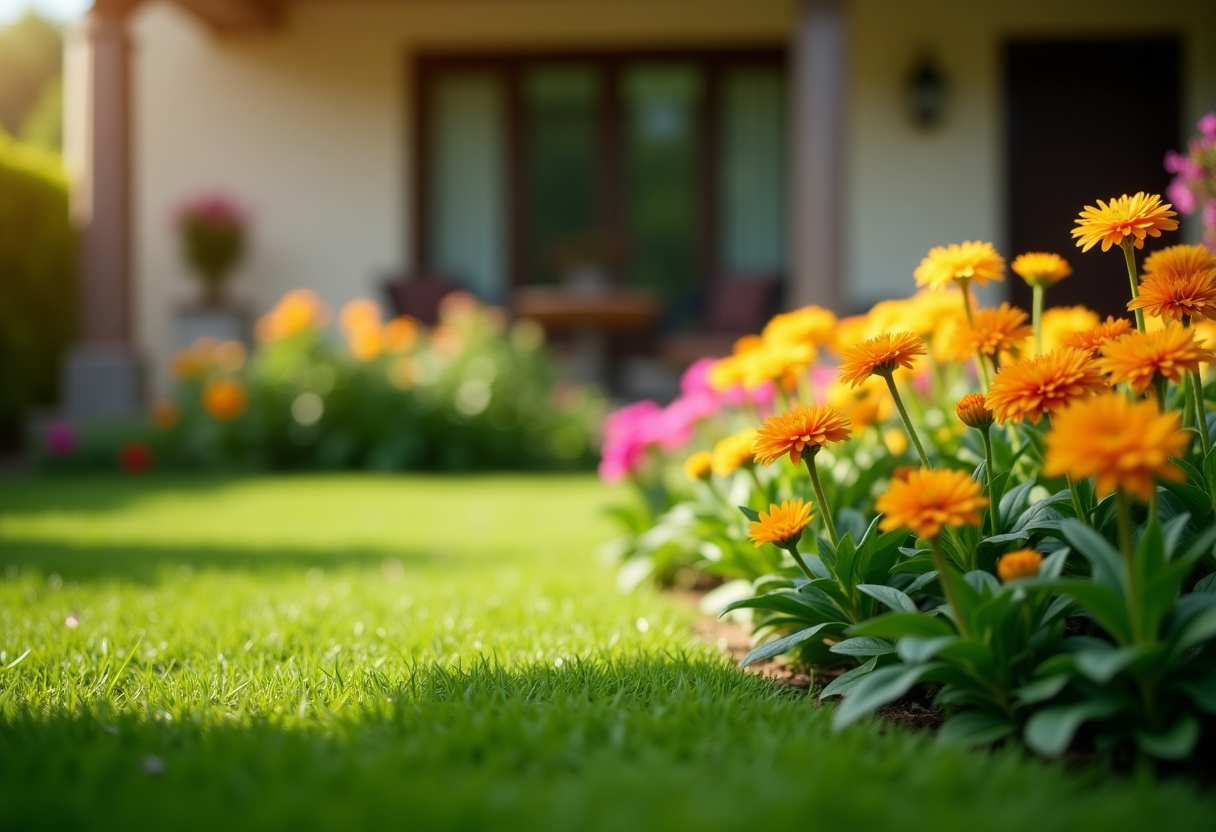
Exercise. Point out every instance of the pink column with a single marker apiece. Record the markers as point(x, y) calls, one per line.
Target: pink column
point(818, 112)
point(102, 375)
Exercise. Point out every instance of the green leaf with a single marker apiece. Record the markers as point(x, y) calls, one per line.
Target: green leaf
point(877, 689)
point(1040, 690)
point(1050, 731)
point(863, 646)
point(1197, 629)
point(1206, 584)
point(1173, 743)
point(918, 650)
point(750, 514)
point(1103, 664)
point(845, 682)
point(1104, 558)
point(785, 643)
point(921, 582)
point(900, 624)
point(889, 597)
point(973, 728)
point(1015, 497)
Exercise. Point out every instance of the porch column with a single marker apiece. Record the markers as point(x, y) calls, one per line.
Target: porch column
point(818, 112)
point(103, 376)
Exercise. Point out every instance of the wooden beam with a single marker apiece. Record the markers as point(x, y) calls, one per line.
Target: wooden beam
point(225, 16)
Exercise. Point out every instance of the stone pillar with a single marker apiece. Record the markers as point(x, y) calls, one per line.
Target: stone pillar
point(819, 91)
point(102, 376)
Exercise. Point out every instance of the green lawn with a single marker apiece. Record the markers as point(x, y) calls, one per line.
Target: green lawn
point(345, 652)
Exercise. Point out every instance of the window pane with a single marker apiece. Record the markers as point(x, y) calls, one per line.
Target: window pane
point(561, 166)
point(662, 104)
point(466, 198)
point(751, 168)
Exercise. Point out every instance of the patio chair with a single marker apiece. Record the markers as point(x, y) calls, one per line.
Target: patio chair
point(418, 294)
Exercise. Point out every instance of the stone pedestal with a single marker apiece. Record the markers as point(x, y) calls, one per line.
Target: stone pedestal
point(218, 322)
point(102, 381)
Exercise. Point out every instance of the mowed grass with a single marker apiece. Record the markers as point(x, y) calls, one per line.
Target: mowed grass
point(345, 652)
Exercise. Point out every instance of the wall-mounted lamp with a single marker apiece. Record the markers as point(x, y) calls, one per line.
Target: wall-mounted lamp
point(925, 93)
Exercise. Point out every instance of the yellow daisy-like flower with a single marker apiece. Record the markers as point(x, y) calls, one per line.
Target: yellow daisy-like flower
point(1061, 321)
point(1175, 295)
point(1180, 259)
point(1048, 383)
point(1041, 268)
point(1024, 563)
point(792, 433)
point(1091, 340)
point(782, 525)
point(775, 362)
point(1138, 357)
point(808, 325)
point(1135, 217)
point(973, 412)
point(962, 262)
point(733, 453)
point(1120, 442)
point(991, 332)
point(866, 405)
point(699, 466)
point(880, 356)
point(928, 500)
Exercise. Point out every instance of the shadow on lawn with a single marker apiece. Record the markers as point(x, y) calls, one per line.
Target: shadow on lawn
point(150, 564)
point(99, 492)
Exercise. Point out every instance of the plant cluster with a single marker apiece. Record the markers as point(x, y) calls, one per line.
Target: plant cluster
point(470, 393)
point(1016, 511)
point(1194, 185)
point(212, 229)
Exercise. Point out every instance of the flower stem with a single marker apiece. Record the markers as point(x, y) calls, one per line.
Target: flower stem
point(1036, 311)
point(979, 357)
point(994, 508)
point(806, 570)
point(903, 412)
point(1129, 257)
point(939, 561)
point(1201, 414)
point(825, 511)
point(1124, 518)
point(1072, 489)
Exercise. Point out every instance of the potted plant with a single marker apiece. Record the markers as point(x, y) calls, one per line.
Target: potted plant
point(212, 229)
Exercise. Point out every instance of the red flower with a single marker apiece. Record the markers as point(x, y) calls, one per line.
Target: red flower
point(135, 457)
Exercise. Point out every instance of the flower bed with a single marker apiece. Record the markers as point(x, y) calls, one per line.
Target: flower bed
point(471, 393)
point(1015, 510)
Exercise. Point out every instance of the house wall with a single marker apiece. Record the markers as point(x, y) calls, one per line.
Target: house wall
point(307, 125)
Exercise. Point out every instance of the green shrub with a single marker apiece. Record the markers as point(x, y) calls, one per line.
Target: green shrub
point(37, 288)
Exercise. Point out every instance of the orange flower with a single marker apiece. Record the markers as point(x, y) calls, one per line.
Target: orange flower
point(1174, 295)
point(359, 313)
point(165, 414)
point(225, 398)
point(1127, 217)
point(991, 332)
point(300, 310)
point(1120, 442)
point(1061, 321)
point(1091, 340)
point(400, 334)
point(960, 262)
point(366, 342)
point(973, 412)
point(1048, 383)
point(733, 452)
point(1024, 563)
point(782, 525)
point(864, 405)
point(810, 324)
point(1040, 268)
point(792, 433)
point(1138, 357)
point(879, 356)
point(928, 500)
point(1182, 259)
point(698, 466)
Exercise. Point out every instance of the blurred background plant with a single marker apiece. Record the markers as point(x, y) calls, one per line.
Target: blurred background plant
point(213, 231)
point(1194, 185)
point(472, 393)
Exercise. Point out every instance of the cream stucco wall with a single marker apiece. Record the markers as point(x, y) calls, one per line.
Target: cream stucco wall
point(307, 124)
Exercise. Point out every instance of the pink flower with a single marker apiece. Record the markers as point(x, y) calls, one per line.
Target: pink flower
point(696, 377)
point(627, 434)
point(1207, 126)
point(1180, 195)
point(60, 439)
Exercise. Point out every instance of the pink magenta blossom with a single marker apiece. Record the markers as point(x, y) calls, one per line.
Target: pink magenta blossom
point(60, 439)
point(627, 434)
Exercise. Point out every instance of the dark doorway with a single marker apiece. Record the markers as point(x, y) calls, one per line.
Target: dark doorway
point(1085, 120)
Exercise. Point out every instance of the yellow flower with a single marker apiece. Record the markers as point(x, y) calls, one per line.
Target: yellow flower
point(782, 525)
point(357, 314)
point(880, 356)
point(1061, 321)
point(775, 362)
point(1138, 357)
point(896, 441)
point(366, 341)
point(1040, 268)
point(1180, 259)
point(1024, 563)
point(699, 466)
point(1126, 217)
point(928, 500)
point(1118, 441)
point(991, 332)
point(733, 452)
point(792, 433)
point(809, 325)
point(1091, 340)
point(400, 334)
point(1048, 383)
point(960, 262)
point(973, 412)
point(299, 310)
point(865, 405)
point(225, 398)
point(1174, 295)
